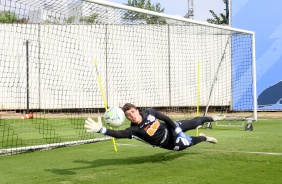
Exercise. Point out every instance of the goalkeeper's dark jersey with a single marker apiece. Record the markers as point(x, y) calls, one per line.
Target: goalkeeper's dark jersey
point(154, 128)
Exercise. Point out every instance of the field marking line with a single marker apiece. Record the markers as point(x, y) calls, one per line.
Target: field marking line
point(220, 151)
point(246, 152)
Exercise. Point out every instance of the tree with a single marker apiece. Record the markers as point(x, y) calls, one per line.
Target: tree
point(70, 19)
point(8, 17)
point(141, 17)
point(22, 21)
point(92, 19)
point(221, 19)
point(51, 21)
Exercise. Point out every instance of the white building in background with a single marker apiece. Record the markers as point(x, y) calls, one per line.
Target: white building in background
point(41, 13)
point(34, 16)
point(61, 13)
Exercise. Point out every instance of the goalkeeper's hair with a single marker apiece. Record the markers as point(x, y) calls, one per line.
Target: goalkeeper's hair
point(128, 106)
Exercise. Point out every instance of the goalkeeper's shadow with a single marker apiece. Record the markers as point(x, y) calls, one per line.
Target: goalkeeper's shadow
point(155, 158)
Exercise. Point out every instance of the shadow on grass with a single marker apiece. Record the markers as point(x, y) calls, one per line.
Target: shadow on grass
point(160, 157)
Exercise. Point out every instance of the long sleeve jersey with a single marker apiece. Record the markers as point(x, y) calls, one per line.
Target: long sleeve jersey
point(151, 130)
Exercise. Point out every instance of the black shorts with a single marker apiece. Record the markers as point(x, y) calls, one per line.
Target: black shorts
point(170, 144)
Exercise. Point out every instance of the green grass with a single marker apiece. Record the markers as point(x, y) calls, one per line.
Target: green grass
point(230, 161)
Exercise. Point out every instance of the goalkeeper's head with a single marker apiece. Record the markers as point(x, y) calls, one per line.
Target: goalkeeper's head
point(128, 106)
point(132, 113)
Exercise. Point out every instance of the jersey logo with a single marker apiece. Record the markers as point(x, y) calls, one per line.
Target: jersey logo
point(153, 128)
point(151, 118)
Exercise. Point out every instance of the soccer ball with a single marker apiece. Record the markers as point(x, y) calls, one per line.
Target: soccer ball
point(114, 116)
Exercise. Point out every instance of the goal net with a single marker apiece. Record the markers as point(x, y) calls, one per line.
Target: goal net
point(49, 83)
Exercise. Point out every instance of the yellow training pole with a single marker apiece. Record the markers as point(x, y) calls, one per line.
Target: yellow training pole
point(103, 97)
point(198, 93)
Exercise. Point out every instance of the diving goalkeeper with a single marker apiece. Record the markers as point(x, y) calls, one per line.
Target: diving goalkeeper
point(155, 128)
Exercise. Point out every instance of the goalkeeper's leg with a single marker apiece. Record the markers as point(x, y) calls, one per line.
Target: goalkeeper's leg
point(203, 138)
point(186, 125)
point(195, 140)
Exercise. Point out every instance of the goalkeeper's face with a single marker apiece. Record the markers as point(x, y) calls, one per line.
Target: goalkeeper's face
point(133, 115)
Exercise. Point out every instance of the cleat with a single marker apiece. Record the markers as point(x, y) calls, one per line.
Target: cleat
point(209, 139)
point(218, 117)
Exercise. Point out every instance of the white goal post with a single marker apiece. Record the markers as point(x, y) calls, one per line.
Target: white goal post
point(150, 59)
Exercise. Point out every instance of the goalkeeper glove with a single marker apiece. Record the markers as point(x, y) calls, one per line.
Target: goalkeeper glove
point(92, 126)
point(181, 136)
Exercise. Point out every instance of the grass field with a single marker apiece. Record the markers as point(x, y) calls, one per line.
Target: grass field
point(239, 157)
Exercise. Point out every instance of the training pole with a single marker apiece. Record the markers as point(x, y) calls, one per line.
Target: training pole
point(103, 97)
point(198, 93)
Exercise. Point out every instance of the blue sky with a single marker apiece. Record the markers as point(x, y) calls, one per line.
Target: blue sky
point(180, 7)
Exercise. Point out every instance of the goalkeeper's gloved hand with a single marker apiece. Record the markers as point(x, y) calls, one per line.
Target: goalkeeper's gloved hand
point(181, 136)
point(92, 126)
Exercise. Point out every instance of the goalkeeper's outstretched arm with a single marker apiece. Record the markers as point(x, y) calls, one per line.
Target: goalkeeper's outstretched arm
point(97, 127)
